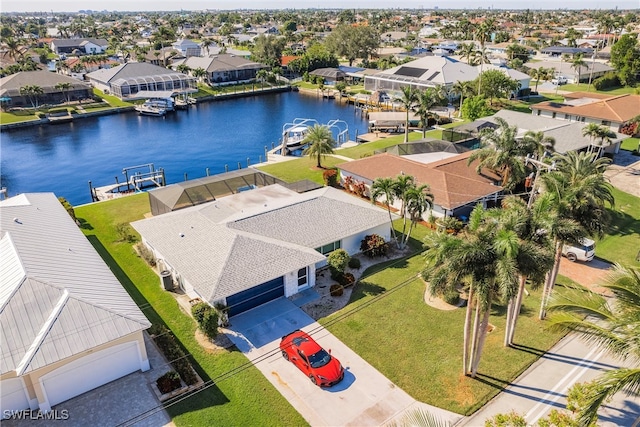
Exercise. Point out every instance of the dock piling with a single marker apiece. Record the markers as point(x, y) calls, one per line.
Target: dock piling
point(207, 171)
point(185, 177)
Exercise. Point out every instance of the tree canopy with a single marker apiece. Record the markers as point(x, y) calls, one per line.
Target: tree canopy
point(353, 42)
point(625, 58)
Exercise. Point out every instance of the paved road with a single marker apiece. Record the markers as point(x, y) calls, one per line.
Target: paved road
point(544, 387)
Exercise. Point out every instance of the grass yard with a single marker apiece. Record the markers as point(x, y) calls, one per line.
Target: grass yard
point(244, 398)
point(422, 346)
point(630, 144)
point(17, 116)
point(584, 87)
point(114, 101)
point(301, 168)
point(622, 242)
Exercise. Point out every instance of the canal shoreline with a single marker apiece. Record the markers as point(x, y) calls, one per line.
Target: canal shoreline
point(119, 110)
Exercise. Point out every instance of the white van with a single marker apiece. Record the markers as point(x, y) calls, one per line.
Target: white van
point(583, 250)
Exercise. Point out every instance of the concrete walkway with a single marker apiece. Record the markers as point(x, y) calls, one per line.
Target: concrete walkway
point(364, 398)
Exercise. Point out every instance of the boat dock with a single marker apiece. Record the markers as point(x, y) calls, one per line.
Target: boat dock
point(137, 179)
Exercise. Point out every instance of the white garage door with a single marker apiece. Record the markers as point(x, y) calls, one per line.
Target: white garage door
point(90, 372)
point(13, 395)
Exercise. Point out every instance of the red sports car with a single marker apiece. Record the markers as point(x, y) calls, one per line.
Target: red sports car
point(316, 363)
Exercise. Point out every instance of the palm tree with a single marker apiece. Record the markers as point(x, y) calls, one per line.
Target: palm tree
point(321, 142)
point(206, 43)
point(614, 326)
point(467, 50)
point(64, 87)
point(384, 187)
point(427, 99)
point(32, 92)
point(462, 88)
point(408, 100)
point(484, 257)
point(262, 76)
point(418, 200)
point(504, 153)
point(483, 33)
point(577, 63)
point(535, 255)
point(199, 73)
point(543, 145)
point(579, 193)
point(596, 131)
point(183, 68)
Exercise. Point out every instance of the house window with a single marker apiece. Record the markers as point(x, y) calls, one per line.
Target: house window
point(327, 249)
point(538, 111)
point(567, 117)
point(553, 116)
point(606, 123)
point(302, 277)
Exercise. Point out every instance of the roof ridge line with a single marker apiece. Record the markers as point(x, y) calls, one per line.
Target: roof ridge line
point(44, 331)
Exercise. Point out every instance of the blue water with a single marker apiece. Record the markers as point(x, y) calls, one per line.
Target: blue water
point(62, 158)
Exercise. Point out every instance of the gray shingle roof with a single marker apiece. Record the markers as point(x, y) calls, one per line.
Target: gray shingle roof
point(57, 296)
point(10, 85)
point(129, 70)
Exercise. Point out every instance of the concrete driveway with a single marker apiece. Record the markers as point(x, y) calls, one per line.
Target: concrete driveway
point(364, 398)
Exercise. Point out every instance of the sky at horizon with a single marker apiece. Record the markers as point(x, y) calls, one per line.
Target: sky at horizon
point(163, 5)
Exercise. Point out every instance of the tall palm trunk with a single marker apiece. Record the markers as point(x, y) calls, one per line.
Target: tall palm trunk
point(393, 230)
point(516, 310)
point(467, 331)
point(484, 325)
point(508, 322)
point(551, 279)
point(474, 338)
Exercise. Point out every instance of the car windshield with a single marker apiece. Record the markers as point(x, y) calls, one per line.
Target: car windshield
point(319, 359)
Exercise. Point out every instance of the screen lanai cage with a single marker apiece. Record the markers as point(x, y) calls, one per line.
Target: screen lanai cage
point(201, 190)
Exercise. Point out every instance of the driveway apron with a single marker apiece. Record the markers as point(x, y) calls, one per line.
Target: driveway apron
point(364, 398)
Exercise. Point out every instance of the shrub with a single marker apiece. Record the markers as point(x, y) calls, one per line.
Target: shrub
point(336, 290)
point(330, 177)
point(209, 324)
point(607, 81)
point(346, 279)
point(373, 246)
point(125, 233)
point(68, 207)
point(168, 382)
point(451, 296)
point(146, 254)
point(354, 263)
point(172, 351)
point(338, 260)
point(198, 311)
point(40, 115)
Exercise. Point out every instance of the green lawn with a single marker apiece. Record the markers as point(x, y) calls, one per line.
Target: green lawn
point(17, 116)
point(419, 348)
point(622, 242)
point(244, 398)
point(301, 168)
point(114, 101)
point(584, 87)
point(630, 144)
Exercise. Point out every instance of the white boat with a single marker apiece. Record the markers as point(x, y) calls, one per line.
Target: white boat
point(294, 133)
point(150, 110)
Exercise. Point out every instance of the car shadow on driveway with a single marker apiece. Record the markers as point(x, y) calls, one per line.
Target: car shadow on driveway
point(346, 382)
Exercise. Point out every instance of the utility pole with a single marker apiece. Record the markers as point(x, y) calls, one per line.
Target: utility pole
point(538, 164)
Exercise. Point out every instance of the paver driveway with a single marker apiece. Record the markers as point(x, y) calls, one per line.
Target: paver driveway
point(364, 398)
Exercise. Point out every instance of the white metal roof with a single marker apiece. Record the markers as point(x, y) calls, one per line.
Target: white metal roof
point(57, 296)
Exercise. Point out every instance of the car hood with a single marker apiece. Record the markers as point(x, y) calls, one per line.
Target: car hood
point(331, 371)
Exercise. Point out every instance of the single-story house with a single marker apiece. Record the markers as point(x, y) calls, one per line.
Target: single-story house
point(67, 324)
point(330, 75)
point(456, 186)
point(282, 235)
point(591, 70)
point(187, 47)
point(224, 68)
point(611, 111)
point(556, 51)
point(433, 71)
point(88, 46)
point(567, 134)
point(10, 88)
point(135, 80)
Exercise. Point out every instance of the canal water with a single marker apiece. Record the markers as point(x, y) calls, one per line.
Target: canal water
point(63, 158)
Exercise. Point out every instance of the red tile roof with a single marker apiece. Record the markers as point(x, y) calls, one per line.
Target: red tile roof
point(451, 181)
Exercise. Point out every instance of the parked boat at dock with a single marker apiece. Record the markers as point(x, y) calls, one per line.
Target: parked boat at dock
point(295, 133)
point(150, 110)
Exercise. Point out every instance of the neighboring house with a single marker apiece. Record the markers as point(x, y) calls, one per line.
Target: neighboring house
point(555, 51)
point(585, 107)
point(591, 71)
point(10, 88)
point(224, 68)
point(456, 186)
point(252, 247)
point(568, 135)
point(67, 324)
point(85, 46)
point(139, 80)
point(330, 75)
point(187, 47)
point(433, 71)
